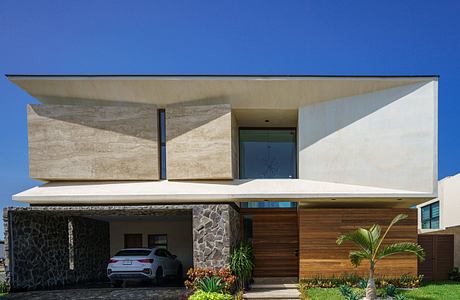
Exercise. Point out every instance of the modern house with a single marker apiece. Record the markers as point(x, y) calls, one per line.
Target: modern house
point(441, 216)
point(197, 163)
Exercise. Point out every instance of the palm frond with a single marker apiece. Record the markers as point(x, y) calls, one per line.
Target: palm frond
point(393, 222)
point(357, 256)
point(361, 237)
point(401, 248)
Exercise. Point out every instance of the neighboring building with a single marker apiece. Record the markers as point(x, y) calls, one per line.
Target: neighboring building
point(442, 215)
point(197, 163)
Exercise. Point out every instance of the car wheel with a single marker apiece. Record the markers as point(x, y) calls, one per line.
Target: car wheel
point(180, 272)
point(159, 276)
point(116, 283)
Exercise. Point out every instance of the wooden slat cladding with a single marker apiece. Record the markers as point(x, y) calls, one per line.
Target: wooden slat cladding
point(320, 227)
point(439, 260)
point(275, 241)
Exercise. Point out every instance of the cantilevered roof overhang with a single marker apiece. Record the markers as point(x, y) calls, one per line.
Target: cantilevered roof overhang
point(242, 92)
point(306, 191)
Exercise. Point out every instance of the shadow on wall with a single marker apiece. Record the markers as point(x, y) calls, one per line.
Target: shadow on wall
point(118, 116)
point(137, 120)
point(353, 109)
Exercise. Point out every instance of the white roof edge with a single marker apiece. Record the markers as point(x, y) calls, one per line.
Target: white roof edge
point(237, 190)
point(223, 77)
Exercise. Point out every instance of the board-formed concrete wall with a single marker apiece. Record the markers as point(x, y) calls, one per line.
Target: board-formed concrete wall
point(70, 142)
point(385, 139)
point(199, 142)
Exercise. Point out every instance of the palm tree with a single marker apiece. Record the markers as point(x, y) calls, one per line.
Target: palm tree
point(370, 244)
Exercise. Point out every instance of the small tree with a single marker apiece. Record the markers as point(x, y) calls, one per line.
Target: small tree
point(371, 249)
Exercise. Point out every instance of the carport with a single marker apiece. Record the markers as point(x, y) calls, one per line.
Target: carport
point(52, 246)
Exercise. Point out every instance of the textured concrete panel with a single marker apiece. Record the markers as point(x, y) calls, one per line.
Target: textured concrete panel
point(199, 142)
point(386, 139)
point(93, 142)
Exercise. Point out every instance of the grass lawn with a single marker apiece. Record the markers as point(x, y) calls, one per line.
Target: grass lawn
point(448, 290)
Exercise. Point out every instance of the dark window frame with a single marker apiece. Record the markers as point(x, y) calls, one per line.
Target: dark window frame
point(431, 218)
point(162, 143)
point(155, 245)
point(246, 204)
point(133, 234)
point(270, 128)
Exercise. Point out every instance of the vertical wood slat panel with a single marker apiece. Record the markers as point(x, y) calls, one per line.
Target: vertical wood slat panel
point(439, 260)
point(275, 241)
point(320, 227)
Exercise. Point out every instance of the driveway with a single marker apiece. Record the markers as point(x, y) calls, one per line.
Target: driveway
point(104, 291)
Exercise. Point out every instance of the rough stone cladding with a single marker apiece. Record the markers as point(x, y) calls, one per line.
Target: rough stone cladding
point(215, 234)
point(37, 250)
point(37, 240)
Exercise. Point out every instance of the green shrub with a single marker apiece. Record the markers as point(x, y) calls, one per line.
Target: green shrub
point(201, 295)
point(242, 263)
point(353, 280)
point(454, 274)
point(348, 293)
point(362, 284)
point(211, 285)
point(399, 297)
point(194, 277)
point(3, 288)
point(390, 290)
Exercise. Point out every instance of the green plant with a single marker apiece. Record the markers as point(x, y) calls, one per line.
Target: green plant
point(353, 280)
point(194, 277)
point(211, 284)
point(241, 263)
point(390, 290)
point(399, 297)
point(202, 295)
point(362, 283)
point(3, 287)
point(348, 293)
point(371, 249)
point(454, 274)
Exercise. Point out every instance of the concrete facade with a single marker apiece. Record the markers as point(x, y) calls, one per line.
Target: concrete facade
point(76, 142)
point(199, 142)
point(362, 142)
point(384, 139)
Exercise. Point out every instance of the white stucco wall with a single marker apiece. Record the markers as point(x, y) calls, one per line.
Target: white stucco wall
point(449, 204)
point(178, 229)
point(384, 139)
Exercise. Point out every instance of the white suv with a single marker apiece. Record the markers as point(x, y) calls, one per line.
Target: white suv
point(143, 264)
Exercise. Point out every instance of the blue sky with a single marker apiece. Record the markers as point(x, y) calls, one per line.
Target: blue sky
point(224, 37)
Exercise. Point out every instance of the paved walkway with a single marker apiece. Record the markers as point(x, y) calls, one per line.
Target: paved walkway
point(151, 293)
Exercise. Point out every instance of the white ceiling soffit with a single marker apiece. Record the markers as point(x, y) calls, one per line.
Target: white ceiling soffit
point(240, 92)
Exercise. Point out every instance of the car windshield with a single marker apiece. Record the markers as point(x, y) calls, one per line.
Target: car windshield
point(133, 252)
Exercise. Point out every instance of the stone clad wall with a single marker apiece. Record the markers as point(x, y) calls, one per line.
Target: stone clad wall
point(38, 245)
point(215, 234)
point(37, 240)
point(91, 248)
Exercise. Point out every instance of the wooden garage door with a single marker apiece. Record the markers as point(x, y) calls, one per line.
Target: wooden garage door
point(275, 242)
point(439, 256)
